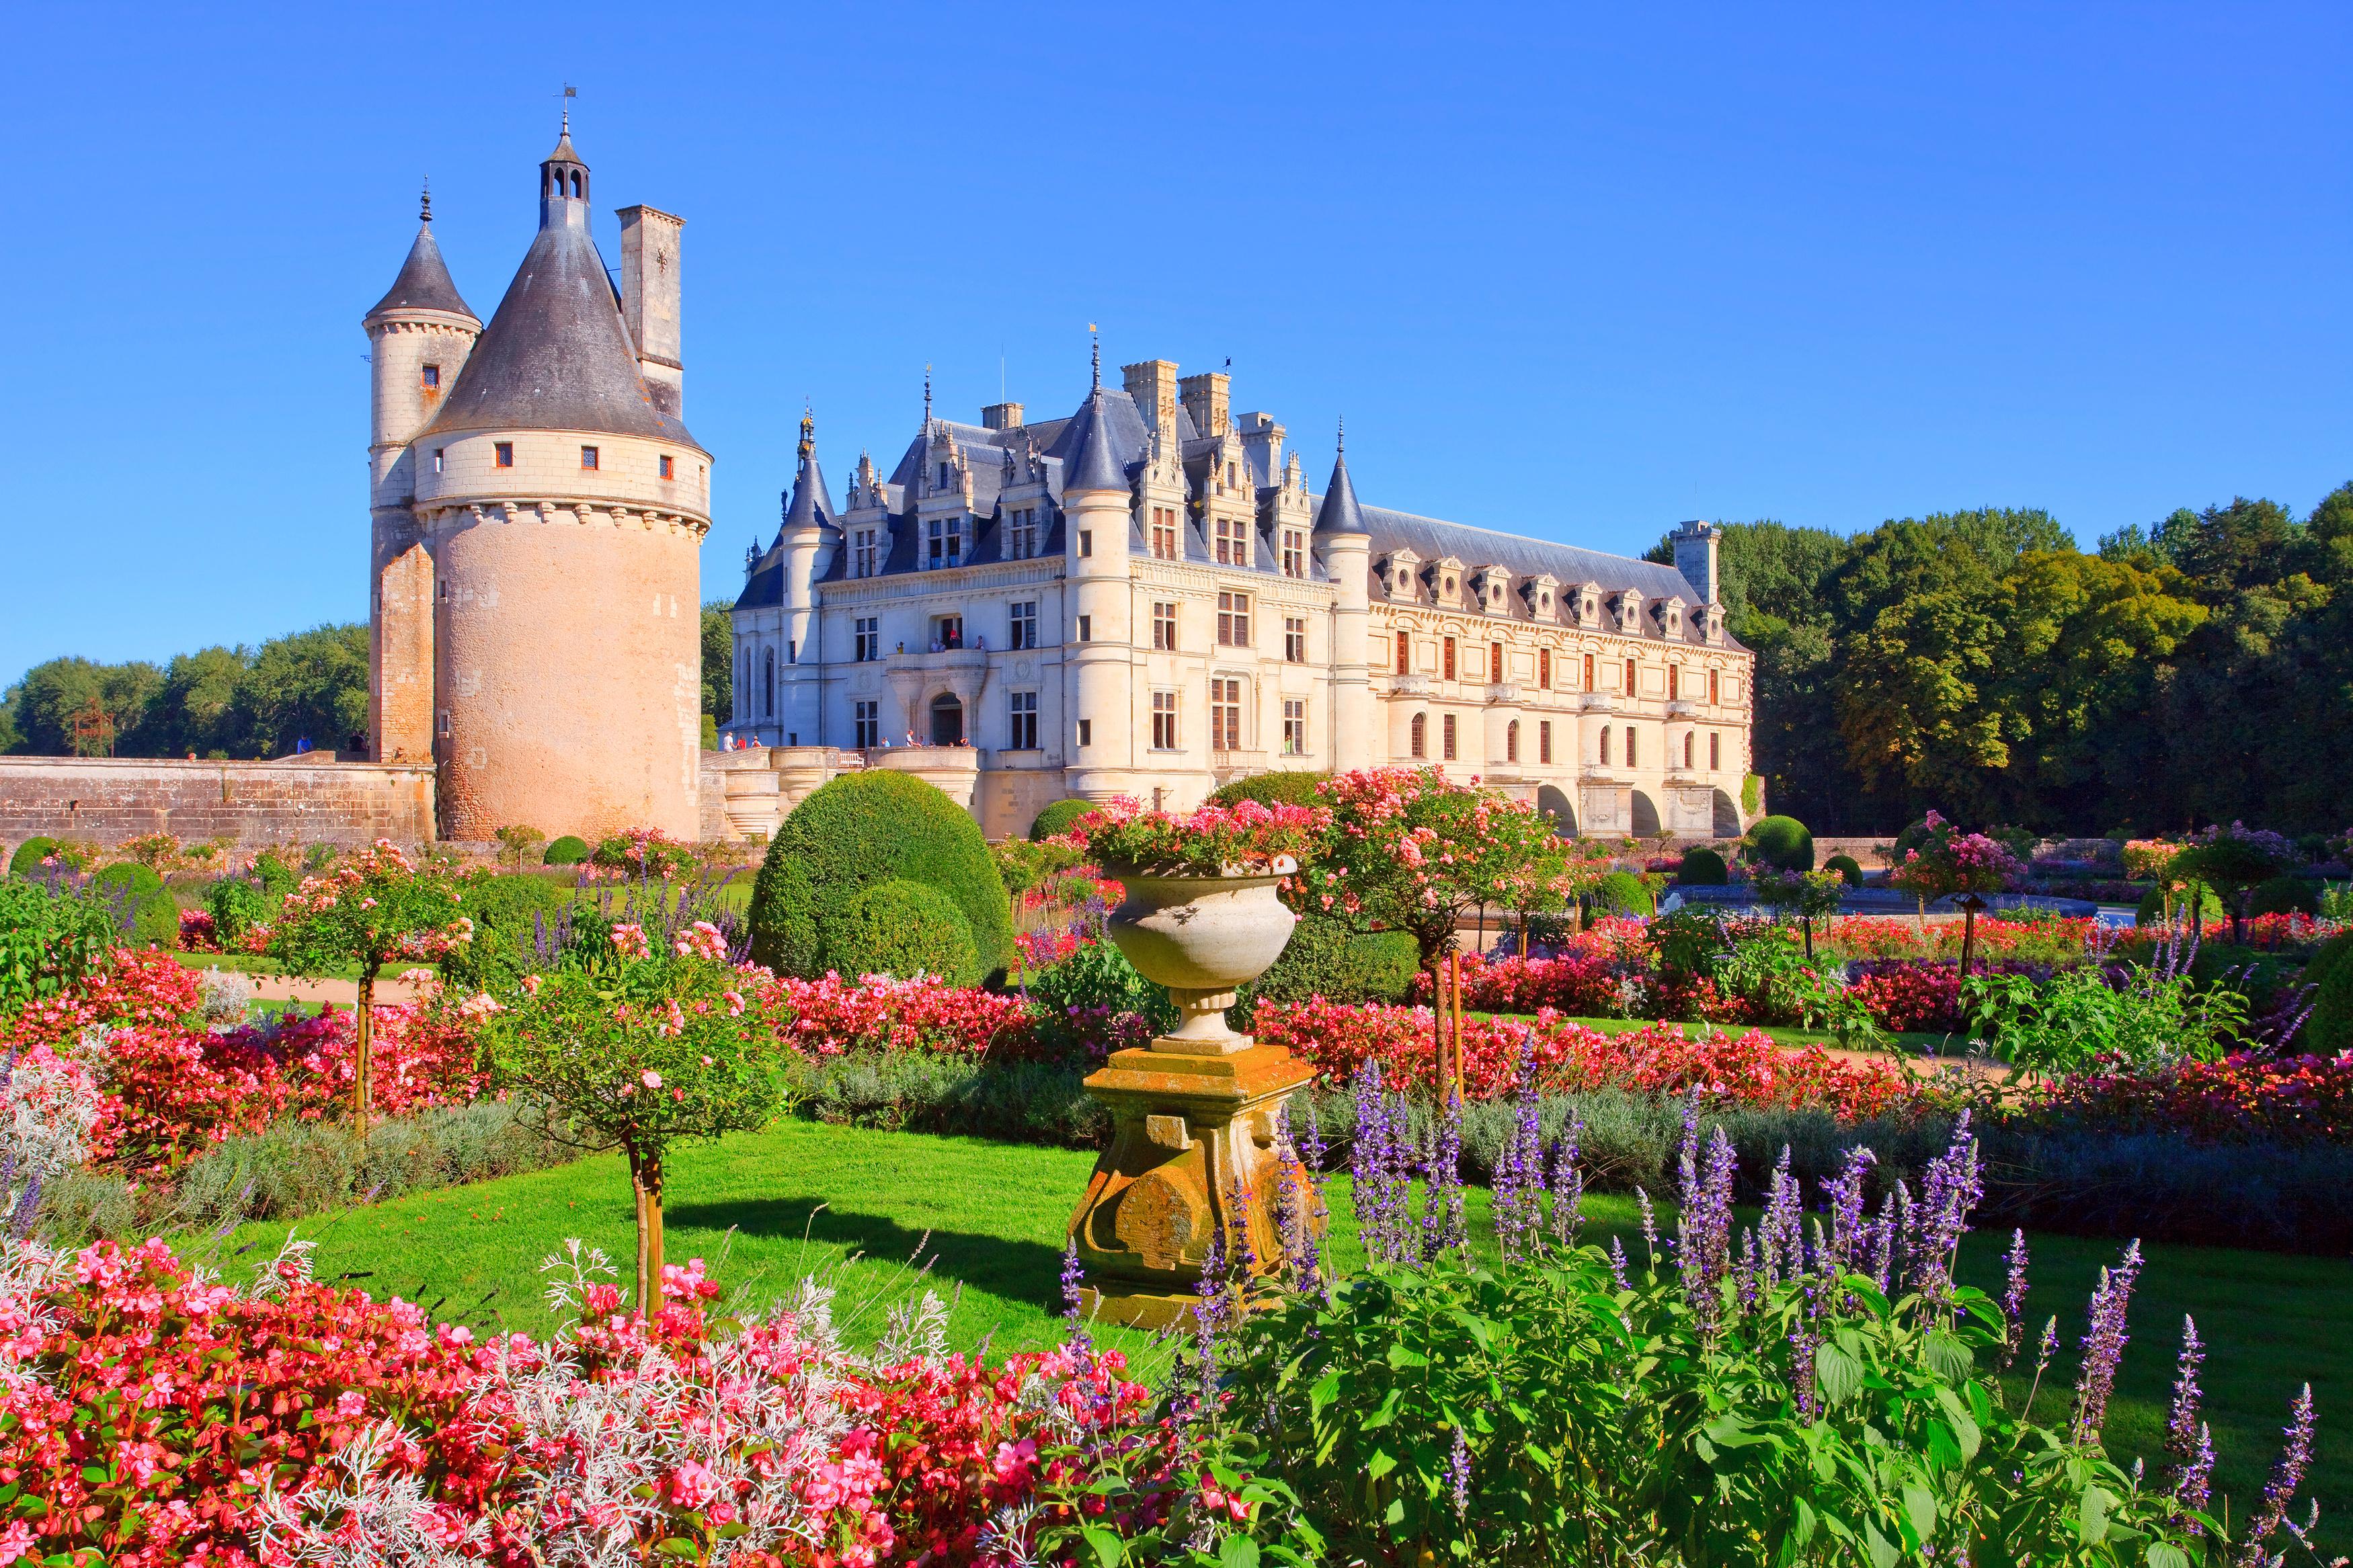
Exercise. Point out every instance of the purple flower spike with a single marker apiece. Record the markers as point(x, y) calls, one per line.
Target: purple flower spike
point(1567, 1187)
point(2104, 1344)
point(1457, 1474)
point(1618, 1264)
point(1847, 1191)
point(1950, 1193)
point(2287, 1475)
point(2013, 1301)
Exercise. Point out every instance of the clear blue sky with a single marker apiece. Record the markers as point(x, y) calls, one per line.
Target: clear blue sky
point(1574, 272)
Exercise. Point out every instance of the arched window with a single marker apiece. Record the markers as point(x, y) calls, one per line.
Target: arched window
point(1512, 742)
point(1449, 737)
point(1421, 734)
point(768, 684)
point(579, 183)
point(1687, 749)
point(1605, 745)
point(1714, 751)
point(947, 720)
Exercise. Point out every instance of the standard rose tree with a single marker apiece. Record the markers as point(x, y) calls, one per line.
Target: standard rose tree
point(638, 1052)
point(1955, 864)
point(2233, 861)
point(374, 909)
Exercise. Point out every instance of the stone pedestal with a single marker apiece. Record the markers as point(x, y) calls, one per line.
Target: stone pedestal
point(1196, 1148)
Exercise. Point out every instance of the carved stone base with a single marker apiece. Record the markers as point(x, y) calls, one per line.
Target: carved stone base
point(1194, 1148)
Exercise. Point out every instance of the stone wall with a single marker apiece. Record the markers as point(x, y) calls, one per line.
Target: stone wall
point(106, 800)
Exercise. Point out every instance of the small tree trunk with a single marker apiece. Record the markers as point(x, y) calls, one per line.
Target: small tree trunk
point(363, 1057)
point(1807, 922)
point(1454, 985)
point(646, 1179)
point(1968, 936)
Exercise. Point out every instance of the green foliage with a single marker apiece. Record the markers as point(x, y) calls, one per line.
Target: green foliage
point(1331, 958)
point(2284, 895)
point(568, 850)
point(2326, 957)
point(1849, 870)
point(48, 941)
point(148, 911)
point(710, 733)
point(1056, 819)
point(2153, 904)
point(2060, 1025)
point(1781, 841)
point(1752, 793)
point(1624, 893)
point(279, 873)
point(2330, 1030)
point(225, 702)
point(237, 904)
point(867, 827)
point(1287, 786)
point(507, 912)
point(899, 928)
point(1703, 869)
point(26, 861)
point(1098, 980)
point(1025, 865)
point(718, 667)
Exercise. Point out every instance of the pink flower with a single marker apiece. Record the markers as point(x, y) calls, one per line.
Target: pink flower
point(651, 1078)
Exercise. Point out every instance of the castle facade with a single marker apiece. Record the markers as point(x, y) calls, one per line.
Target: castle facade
point(537, 510)
point(1145, 598)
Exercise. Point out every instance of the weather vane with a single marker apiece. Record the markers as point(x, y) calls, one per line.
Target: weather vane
point(568, 94)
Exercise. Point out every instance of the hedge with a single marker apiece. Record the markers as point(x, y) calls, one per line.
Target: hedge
point(1289, 786)
point(30, 855)
point(1330, 958)
point(1703, 869)
point(1056, 819)
point(568, 850)
point(900, 929)
point(2152, 907)
point(1848, 868)
point(142, 899)
point(2284, 895)
point(1782, 841)
point(867, 827)
point(1624, 893)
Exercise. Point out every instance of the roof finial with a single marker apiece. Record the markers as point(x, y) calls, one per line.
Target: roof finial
point(808, 430)
point(569, 93)
point(426, 212)
point(1340, 442)
point(928, 398)
point(1097, 340)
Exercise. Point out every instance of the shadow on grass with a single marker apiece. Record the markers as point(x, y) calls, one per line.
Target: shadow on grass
point(1017, 1271)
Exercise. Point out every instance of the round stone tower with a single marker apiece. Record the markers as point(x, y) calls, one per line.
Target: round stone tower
point(560, 505)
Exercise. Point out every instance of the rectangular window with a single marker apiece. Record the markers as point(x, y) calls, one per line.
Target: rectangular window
point(1404, 654)
point(1294, 552)
point(1225, 715)
point(1629, 677)
point(1233, 541)
point(1086, 541)
point(1633, 758)
point(1674, 682)
point(946, 538)
point(867, 720)
point(947, 633)
point(1025, 721)
point(1086, 628)
point(437, 459)
point(1446, 663)
point(1544, 670)
point(430, 375)
point(1711, 689)
point(1294, 639)
point(502, 454)
point(1164, 720)
point(1605, 745)
point(667, 469)
point(1543, 741)
point(1494, 661)
point(444, 722)
point(1086, 731)
point(1449, 737)
point(587, 457)
point(1233, 620)
point(1163, 533)
point(1021, 533)
point(1025, 624)
point(1512, 742)
point(1164, 627)
point(867, 638)
point(862, 555)
point(1294, 727)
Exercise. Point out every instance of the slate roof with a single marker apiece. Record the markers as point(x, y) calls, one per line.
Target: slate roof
point(558, 355)
point(1338, 513)
point(424, 283)
point(1100, 446)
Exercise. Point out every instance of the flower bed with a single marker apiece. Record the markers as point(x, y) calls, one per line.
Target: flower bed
point(1906, 994)
point(2288, 1099)
point(1583, 982)
point(151, 1416)
point(831, 1016)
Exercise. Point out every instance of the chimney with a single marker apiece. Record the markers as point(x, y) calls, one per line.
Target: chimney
point(1206, 400)
point(1001, 416)
point(650, 297)
point(1153, 384)
point(1695, 551)
point(1262, 439)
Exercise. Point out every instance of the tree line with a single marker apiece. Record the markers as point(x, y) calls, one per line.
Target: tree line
point(2193, 671)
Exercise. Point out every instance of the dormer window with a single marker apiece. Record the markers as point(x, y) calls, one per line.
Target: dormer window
point(945, 536)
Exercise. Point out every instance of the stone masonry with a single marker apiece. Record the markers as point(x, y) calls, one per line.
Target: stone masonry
point(105, 800)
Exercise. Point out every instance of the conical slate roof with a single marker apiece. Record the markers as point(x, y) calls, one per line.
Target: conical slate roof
point(1094, 455)
point(1340, 513)
point(423, 282)
point(556, 356)
point(811, 505)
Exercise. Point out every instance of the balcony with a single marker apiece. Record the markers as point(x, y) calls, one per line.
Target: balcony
point(1682, 708)
point(1502, 691)
point(1410, 685)
point(1597, 702)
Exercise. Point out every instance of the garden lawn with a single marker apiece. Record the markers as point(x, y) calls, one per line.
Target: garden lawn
point(1914, 1042)
point(853, 1205)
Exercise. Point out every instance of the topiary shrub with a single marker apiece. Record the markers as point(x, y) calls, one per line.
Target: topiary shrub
point(1622, 893)
point(2284, 895)
point(1290, 786)
point(900, 929)
point(141, 900)
point(2325, 958)
point(1848, 868)
point(1330, 958)
point(30, 855)
point(867, 827)
point(1703, 869)
point(1782, 842)
point(1057, 818)
point(2152, 908)
point(567, 850)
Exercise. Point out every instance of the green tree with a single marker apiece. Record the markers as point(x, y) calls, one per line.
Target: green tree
point(311, 686)
point(52, 695)
point(718, 661)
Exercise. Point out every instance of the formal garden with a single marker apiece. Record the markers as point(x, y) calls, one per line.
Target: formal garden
point(1352, 1170)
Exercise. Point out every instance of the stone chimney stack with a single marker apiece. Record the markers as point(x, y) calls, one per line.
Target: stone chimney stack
point(1207, 400)
point(1153, 384)
point(649, 302)
point(1001, 416)
point(1262, 439)
point(1695, 545)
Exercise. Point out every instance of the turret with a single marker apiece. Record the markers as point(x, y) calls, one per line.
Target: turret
point(808, 539)
point(564, 184)
point(1098, 507)
point(1344, 545)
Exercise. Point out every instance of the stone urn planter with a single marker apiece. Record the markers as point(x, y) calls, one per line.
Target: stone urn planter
point(1197, 1147)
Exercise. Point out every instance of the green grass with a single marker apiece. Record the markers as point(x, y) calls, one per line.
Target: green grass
point(254, 963)
point(854, 1205)
point(1913, 1042)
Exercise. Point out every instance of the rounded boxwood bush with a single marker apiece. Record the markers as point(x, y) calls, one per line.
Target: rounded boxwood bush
point(29, 855)
point(2152, 907)
point(1782, 841)
point(568, 850)
point(140, 895)
point(1328, 957)
point(1056, 819)
point(1848, 868)
point(899, 928)
point(2284, 895)
point(2325, 958)
point(867, 827)
point(2330, 1030)
point(1703, 869)
point(1290, 786)
point(1622, 893)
